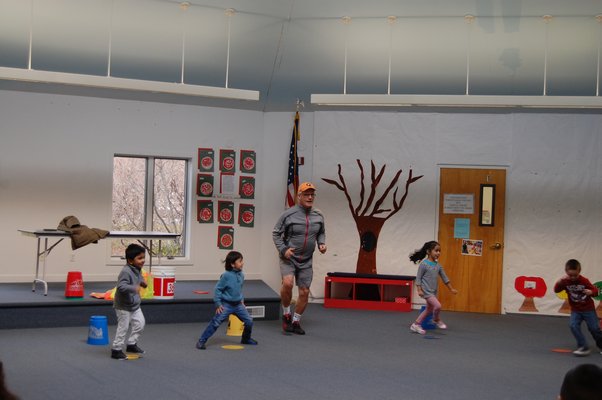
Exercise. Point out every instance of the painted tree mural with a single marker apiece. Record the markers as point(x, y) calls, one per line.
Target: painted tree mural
point(530, 287)
point(599, 297)
point(368, 215)
point(565, 308)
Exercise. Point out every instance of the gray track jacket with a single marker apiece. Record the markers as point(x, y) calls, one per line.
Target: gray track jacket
point(127, 296)
point(300, 229)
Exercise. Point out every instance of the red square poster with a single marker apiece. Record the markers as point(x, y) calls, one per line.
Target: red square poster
point(226, 212)
point(246, 188)
point(204, 211)
point(246, 215)
point(204, 185)
point(206, 157)
point(227, 160)
point(247, 161)
point(225, 237)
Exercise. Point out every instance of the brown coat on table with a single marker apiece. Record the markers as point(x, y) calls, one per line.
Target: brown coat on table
point(81, 235)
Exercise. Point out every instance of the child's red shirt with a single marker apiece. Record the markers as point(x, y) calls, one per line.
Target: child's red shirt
point(578, 300)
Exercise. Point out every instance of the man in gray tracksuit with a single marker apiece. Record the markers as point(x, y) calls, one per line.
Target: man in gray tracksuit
point(295, 235)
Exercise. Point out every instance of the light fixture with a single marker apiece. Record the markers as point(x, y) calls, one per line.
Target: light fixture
point(110, 82)
point(408, 100)
point(465, 100)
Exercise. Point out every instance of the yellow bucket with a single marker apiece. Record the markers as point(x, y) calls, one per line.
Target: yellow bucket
point(235, 326)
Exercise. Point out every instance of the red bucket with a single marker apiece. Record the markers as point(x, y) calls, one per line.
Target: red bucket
point(164, 280)
point(75, 284)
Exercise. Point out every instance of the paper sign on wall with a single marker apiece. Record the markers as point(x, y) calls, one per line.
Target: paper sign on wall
point(205, 159)
point(205, 211)
point(246, 215)
point(204, 185)
point(461, 228)
point(225, 237)
point(472, 247)
point(226, 212)
point(247, 161)
point(458, 203)
point(227, 160)
point(247, 187)
point(227, 182)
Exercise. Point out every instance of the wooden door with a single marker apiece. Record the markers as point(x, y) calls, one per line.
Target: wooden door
point(476, 274)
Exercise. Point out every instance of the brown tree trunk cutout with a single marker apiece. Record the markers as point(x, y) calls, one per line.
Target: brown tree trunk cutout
point(365, 215)
point(565, 308)
point(599, 310)
point(528, 305)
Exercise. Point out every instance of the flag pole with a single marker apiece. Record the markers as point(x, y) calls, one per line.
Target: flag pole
point(292, 184)
point(300, 105)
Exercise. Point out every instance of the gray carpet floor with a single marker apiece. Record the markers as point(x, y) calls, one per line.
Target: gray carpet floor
point(346, 354)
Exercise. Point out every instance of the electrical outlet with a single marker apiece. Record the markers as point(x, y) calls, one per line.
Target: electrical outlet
point(72, 258)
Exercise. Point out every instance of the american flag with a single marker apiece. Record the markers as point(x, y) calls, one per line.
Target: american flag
point(292, 182)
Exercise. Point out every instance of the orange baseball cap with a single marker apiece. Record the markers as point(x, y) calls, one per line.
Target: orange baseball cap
point(306, 186)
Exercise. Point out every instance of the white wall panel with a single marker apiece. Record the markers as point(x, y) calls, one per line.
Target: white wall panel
point(553, 187)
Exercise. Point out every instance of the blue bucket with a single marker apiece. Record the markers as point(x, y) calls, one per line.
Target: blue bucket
point(98, 332)
point(427, 323)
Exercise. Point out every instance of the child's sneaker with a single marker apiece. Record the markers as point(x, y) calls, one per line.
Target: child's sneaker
point(201, 345)
point(118, 355)
point(581, 352)
point(416, 328)
point(440, 324)
point(133, 348)
point(249, 341)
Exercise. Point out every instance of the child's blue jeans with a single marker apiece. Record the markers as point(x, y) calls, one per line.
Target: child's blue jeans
point(239, 310)
point(591, 320)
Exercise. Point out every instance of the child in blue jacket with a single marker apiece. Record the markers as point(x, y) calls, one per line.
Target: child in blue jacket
point(228, 300)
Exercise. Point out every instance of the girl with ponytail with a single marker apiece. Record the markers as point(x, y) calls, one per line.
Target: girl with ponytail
point(426, 283)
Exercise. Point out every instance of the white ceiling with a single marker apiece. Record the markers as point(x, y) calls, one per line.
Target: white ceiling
point(288, 49)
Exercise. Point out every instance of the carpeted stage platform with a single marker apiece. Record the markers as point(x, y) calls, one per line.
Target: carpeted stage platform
point(22, 308)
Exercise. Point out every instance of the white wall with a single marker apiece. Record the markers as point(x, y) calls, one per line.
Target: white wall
point(56, 160)
point(56, 155)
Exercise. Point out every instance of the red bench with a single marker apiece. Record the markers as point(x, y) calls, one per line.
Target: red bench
point(368, 292)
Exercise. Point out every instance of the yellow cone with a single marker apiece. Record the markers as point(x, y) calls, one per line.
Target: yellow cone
point(235, 326)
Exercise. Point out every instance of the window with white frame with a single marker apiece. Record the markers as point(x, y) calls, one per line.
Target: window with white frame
point(149, 194)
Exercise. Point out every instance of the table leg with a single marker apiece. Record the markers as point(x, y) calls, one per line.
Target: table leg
point(37, 278)
point(150, 254)
point(159, 255)
point(33, 288)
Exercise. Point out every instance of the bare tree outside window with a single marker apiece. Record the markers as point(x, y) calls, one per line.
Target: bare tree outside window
point(169, 205)
point(150, 192)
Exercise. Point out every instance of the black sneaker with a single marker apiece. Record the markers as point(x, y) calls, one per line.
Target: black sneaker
point(296, 328)
point(118, 355)
point(201, 345)
point(133, 348)
point(287, 323)
point(249, 341)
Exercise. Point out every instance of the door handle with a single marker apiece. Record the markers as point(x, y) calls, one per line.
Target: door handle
point(496, 246)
